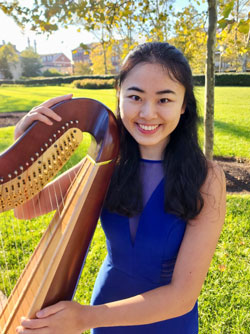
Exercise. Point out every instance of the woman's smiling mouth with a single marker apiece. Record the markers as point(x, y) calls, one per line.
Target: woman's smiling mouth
point(147, 128)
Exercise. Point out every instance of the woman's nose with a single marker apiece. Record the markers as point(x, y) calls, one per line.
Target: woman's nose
point(148, 111)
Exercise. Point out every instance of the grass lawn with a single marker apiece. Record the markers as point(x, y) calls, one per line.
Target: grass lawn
point(232, 111)
point(25, 98)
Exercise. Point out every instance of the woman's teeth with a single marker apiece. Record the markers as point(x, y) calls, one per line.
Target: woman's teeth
point(148, 127)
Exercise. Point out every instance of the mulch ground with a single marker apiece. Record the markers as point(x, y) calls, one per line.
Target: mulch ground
point(237, 170)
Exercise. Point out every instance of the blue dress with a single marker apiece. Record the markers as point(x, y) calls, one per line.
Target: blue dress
point(132, 268)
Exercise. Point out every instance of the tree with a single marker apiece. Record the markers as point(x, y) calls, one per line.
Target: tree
point(190, 36)
point(98, 64)
point(8, 60)
point(235, 34)
point(82, 68)
point(31, 63)
point(15, 10)
point(209, 80)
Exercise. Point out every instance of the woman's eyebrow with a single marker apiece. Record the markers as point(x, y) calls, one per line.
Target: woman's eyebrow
point(136, 88)
point(165, 91)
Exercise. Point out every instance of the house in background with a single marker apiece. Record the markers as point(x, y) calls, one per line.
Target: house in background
point(81, 55)
point(57, 61)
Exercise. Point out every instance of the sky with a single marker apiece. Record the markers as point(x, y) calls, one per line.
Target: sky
point(63, 40)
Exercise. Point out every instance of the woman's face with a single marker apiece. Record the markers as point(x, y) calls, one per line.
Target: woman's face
point(151, 104)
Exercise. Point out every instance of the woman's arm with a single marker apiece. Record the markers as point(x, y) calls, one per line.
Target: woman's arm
point(51, 196)
point(175, 299)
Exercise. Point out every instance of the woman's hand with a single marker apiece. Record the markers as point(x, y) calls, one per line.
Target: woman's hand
point(41, 113)
point(65, 317)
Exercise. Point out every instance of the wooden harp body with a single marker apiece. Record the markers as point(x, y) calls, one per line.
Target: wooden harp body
point(52, 273)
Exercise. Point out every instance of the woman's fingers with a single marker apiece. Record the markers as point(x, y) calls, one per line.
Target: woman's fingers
point(33, 323)
point(41, 113)
point(53, 309)
point(22, 330)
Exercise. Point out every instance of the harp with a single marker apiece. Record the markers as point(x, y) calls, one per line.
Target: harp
point(31, 162)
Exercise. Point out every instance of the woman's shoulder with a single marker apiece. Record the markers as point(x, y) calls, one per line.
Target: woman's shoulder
point(215, 174)
point(213, 189)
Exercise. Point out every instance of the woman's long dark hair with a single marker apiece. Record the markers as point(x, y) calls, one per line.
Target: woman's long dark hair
point(185, 166)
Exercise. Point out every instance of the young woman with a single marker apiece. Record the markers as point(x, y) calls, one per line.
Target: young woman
point(164, 210)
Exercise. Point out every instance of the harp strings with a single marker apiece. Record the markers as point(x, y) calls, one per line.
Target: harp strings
point(10, 272)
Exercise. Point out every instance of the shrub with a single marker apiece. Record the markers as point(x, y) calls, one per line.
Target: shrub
point(55, 80)
point(52, 72)
point(225, 79)
point(94, 83)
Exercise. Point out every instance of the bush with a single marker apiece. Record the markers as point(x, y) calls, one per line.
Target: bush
point(229, 79)
point(221, 79)
point(54, 81)
point(225, 79)
point(52, 72)
point(94, 83)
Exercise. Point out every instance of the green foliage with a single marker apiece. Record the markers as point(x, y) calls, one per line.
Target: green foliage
point(55, 80)
point(82, 68)
point(8, 57)
point(225, 79)
point(221, 79)
point(31, 63)
point(94, 83)
point(224, 302)
point(234, 34)
point(237, 79)
point(52, 72)
point(6, 137)
point(190, 36)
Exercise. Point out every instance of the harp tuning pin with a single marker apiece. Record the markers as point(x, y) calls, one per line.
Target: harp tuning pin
point(77, 121)
point(50, 140)
point(37, 154)
point(67, 124)
point(63, 127)
point(32, 159)
point(71, 122)
point(15, 172)
point(42, 149)
point(21, 167)
point(1, 180)
point(27, 164)
point(58, 131)
point(54, 135)
point(9, 176)
point(46, 145)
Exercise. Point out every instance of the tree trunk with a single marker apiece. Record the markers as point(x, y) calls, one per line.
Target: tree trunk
point(209, 81)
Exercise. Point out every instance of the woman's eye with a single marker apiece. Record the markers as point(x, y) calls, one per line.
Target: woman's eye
point(164, 100)
point(135, 97)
